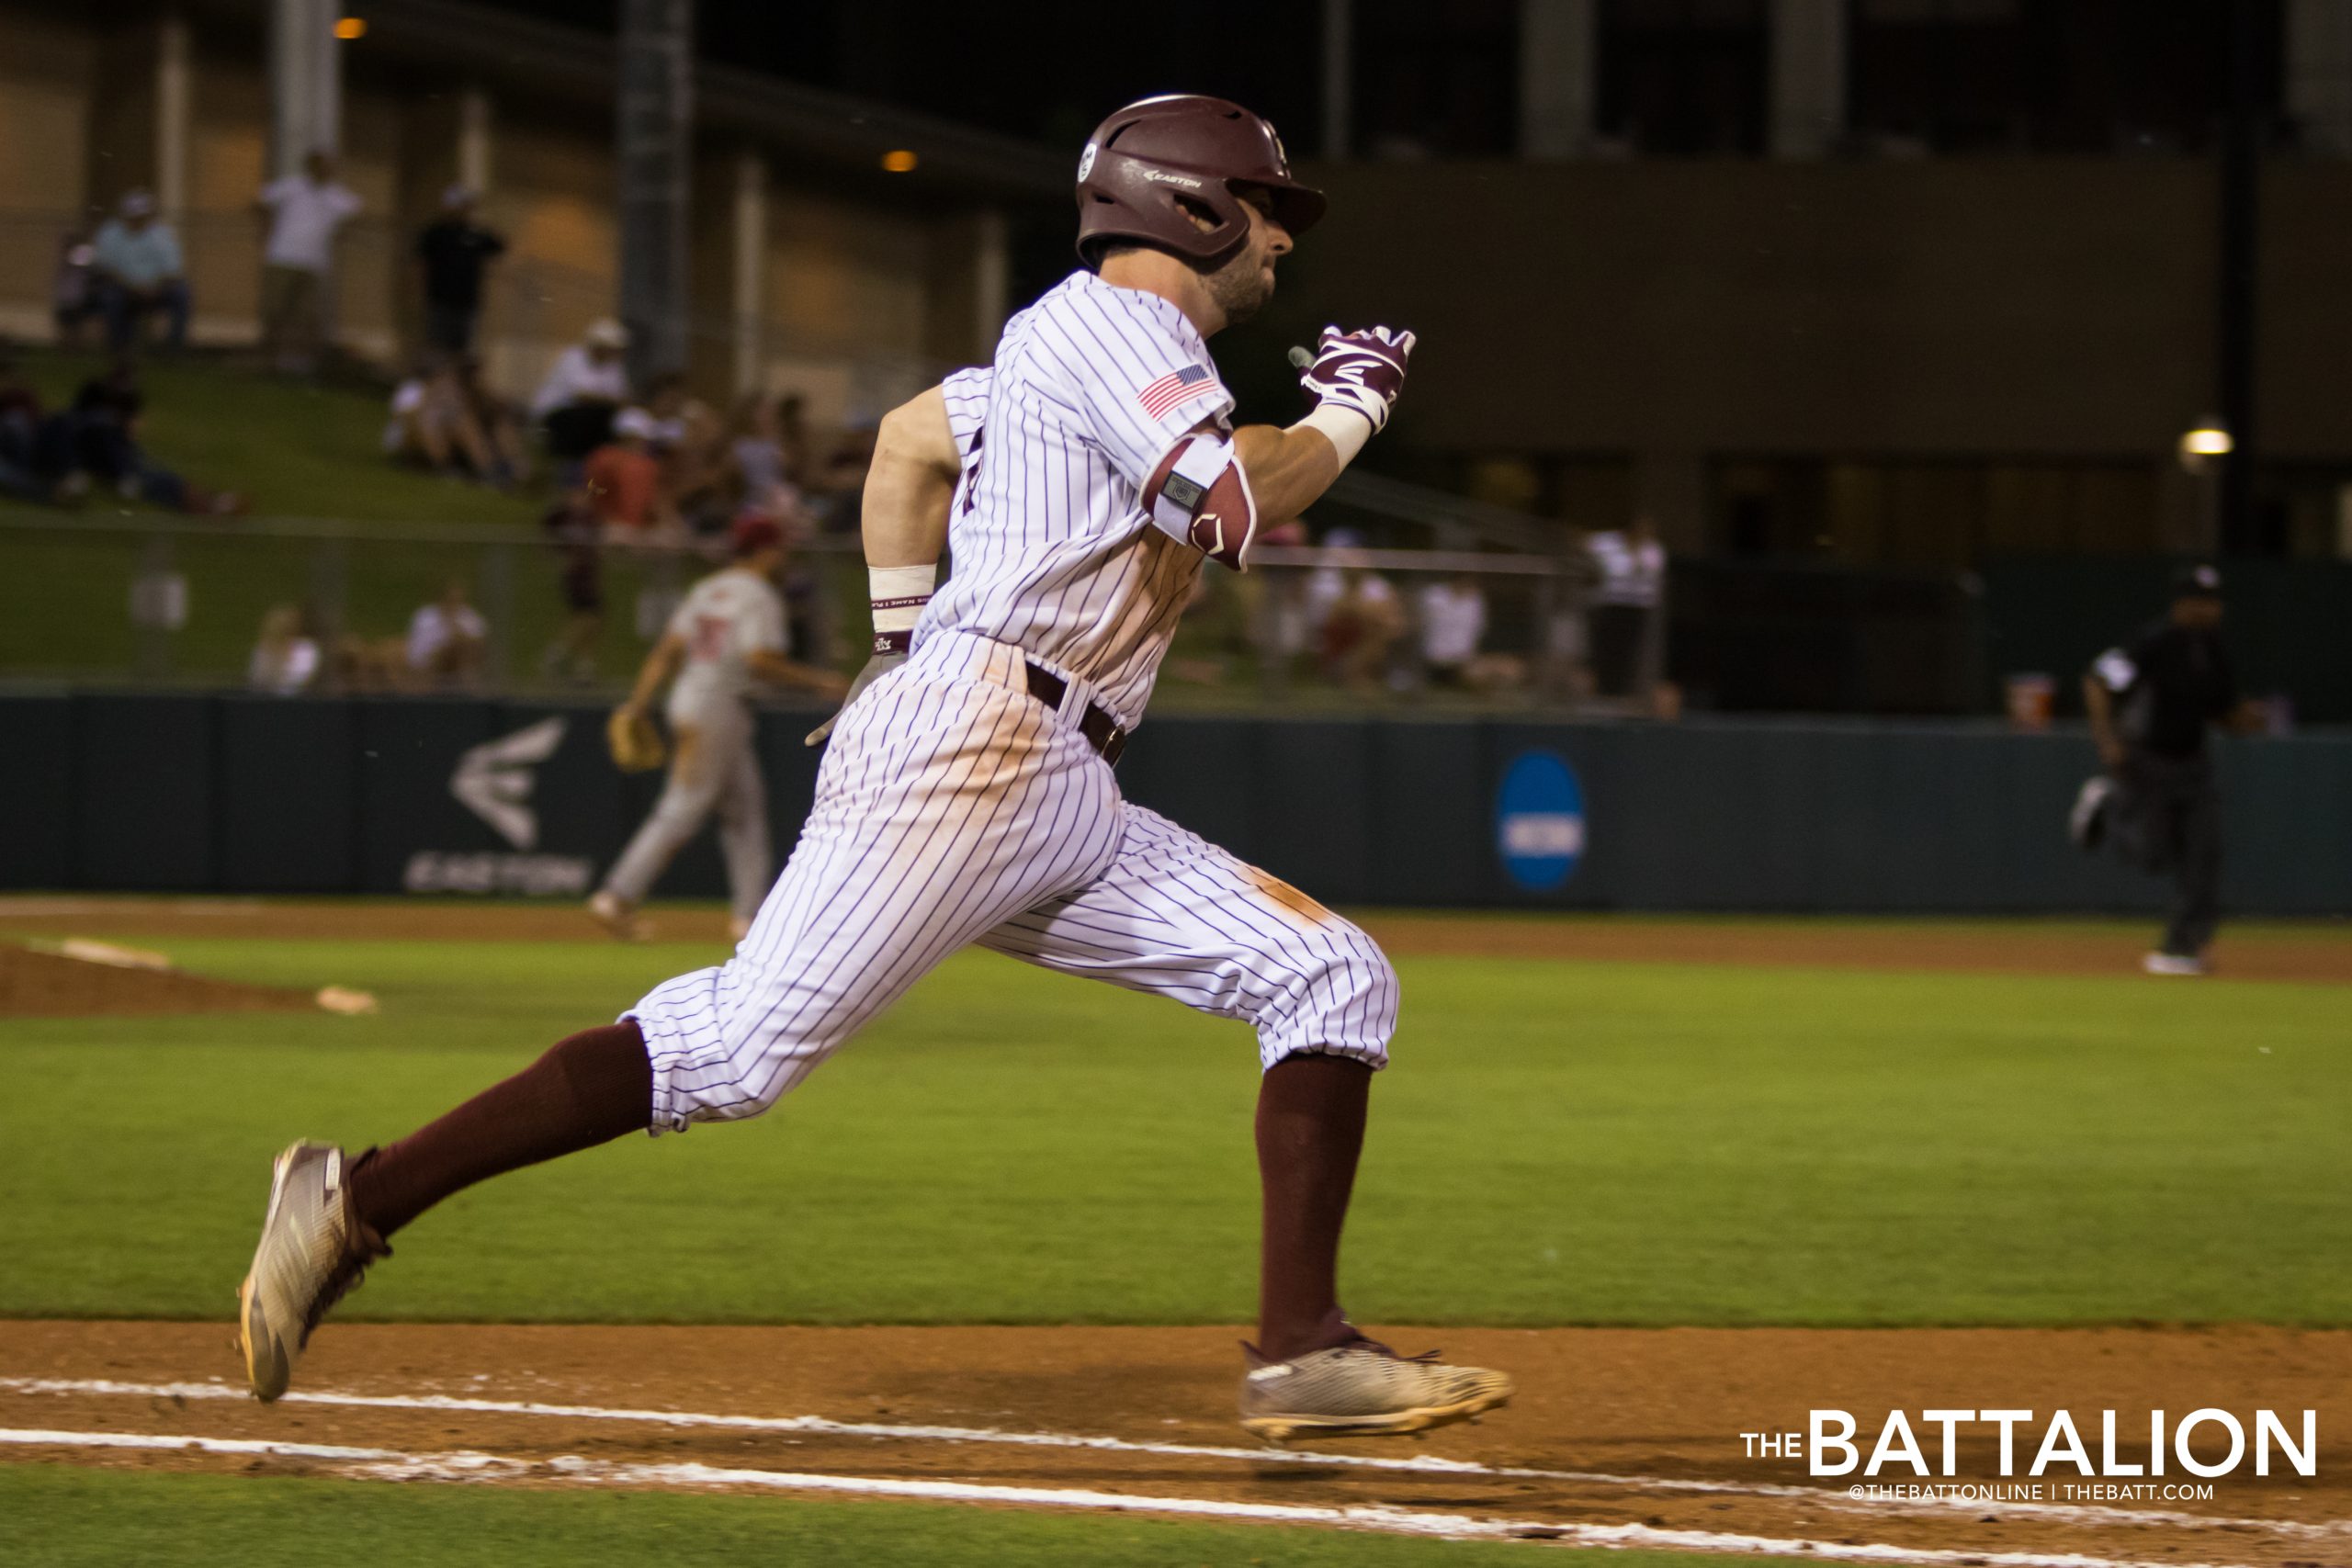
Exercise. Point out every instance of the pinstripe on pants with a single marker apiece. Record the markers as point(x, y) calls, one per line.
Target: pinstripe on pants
point(952, 808)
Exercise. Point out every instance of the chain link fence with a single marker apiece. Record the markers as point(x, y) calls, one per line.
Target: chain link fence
point(161, 600)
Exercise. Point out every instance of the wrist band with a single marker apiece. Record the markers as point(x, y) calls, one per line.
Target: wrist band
point(1345, 429)
point(899, 594)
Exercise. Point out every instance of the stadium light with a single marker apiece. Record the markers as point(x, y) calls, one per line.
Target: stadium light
point(350, 28)
point(899, 160)
point(2206, 440)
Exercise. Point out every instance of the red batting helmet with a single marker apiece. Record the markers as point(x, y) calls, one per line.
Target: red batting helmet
point(753, 532)
point(1150, 166)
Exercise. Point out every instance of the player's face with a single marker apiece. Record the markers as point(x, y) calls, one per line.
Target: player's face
point(1242, 285)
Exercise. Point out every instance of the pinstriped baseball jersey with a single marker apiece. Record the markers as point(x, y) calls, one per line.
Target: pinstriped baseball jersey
point(724, 617)
point(953, 808)
point(1052, 553)
point(965, 393)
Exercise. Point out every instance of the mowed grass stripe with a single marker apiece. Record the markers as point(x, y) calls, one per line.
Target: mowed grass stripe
point(1557, 1143)
point(59, 1517)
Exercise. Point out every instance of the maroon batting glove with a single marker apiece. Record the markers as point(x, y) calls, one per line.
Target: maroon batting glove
point(1362, 371)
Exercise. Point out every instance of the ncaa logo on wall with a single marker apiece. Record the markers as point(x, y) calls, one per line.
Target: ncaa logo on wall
point(1539, 821)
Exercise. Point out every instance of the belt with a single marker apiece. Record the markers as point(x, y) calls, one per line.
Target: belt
point(1102, 731)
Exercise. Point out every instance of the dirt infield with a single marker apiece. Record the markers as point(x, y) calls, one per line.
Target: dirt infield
point(47, 984)
point(1612, 1429)
point(2312, 953)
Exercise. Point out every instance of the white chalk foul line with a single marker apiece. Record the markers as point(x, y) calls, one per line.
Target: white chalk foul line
point(470, 1465)
point(2056, 1513)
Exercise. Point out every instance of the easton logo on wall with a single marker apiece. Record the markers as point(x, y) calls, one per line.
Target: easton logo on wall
point(1539, 821)
point(494, 780)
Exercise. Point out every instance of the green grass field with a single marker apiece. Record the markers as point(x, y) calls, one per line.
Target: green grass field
point(1556, 1144)
point(56, 1517)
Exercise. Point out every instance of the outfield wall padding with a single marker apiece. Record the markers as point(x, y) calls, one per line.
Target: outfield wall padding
point(235, 794)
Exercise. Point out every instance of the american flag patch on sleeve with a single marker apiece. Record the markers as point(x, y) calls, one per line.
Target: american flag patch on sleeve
point(1176, 387)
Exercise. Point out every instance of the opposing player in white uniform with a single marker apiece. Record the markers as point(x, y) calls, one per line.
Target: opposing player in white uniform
point(968, 796)
point(726, 637)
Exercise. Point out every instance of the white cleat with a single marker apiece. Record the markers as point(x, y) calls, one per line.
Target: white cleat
point(314, 1249)
point(2173, 964)
point(1364, 1390)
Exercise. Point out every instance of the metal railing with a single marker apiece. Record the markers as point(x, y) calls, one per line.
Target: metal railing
point(534, 306)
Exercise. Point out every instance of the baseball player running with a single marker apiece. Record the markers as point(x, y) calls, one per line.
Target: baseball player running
point(967, 793)
point(727, 635)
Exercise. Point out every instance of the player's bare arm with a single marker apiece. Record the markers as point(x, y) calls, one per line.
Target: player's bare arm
point(904, 514)
point(1355, 379)
point(903, 518)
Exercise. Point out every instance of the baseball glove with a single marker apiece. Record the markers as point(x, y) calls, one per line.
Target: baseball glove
point(635, 740)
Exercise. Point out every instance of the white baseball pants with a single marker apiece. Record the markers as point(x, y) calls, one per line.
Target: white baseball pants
point(951, 808)
point(717, 771)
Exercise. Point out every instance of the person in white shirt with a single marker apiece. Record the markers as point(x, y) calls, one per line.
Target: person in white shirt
point(1632, 567)
point(138, 270)
point(446, 638)
point(1453, 622)
point(304, 210)
point(583, 390)
point(285, 657)
point(727, 637)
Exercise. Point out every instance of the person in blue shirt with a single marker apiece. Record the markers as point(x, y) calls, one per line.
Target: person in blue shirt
point(137, 270)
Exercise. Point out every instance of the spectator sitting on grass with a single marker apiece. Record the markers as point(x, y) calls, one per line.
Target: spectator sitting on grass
point(443, 419)
point(1453, 625)
point(20, 426)
point(1356, 614)
point(447, 640)
point(432, 425)
point(767, 460)
point(623, 482)
point(698, 469)
point(500, 419)
point(575, 405)
point(285, 657)
point(138, 273)
point(96, 441)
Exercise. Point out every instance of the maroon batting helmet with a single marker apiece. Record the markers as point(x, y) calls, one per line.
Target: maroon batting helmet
point(1149, 168)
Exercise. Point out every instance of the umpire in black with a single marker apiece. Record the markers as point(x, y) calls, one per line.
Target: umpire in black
point(2156, 805)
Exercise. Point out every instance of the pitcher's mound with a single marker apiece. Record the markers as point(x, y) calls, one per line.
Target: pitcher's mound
point(52, 984)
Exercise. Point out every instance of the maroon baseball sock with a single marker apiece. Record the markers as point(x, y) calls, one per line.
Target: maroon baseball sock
point(1310, 1129)
point(587, 1089)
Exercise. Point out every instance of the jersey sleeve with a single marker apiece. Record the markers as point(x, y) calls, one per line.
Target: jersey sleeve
point(1137, 386)
point(965, 393)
